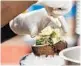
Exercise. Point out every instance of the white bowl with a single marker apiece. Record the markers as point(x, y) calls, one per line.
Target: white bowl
point(71, 55)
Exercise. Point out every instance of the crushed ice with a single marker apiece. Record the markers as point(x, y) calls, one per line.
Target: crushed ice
point(32, 60)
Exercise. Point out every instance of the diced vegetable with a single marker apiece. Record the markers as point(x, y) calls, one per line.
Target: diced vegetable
point(48, 36)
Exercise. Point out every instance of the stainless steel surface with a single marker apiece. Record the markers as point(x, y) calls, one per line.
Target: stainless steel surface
point(71, 55)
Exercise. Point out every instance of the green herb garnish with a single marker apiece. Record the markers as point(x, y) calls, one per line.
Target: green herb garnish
point(38, 42)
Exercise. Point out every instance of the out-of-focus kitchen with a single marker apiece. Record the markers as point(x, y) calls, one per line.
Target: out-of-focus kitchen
point(27, 25)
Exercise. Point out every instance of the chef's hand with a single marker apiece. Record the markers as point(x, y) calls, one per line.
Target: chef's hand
point(33, 22)
point(56, 9)
point(30, 23)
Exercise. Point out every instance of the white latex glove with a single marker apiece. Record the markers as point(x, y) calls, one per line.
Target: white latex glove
point(33, 22)
point(56, 9)
point(59, 22)
point(30, 23)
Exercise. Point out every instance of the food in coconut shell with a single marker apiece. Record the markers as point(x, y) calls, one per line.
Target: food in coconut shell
point(49, 42)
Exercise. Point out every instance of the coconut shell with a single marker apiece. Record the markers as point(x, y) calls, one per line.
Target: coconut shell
point(49, 49)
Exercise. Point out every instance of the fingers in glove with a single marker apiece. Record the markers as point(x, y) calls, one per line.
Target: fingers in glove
point(55, 21)
point(43, 23)
point(33, 31)
point(17, 26)
point(63, 23)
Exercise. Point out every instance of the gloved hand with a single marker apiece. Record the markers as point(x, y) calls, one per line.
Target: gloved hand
point(56, 9)
point(30, 23)
point(33, 22)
